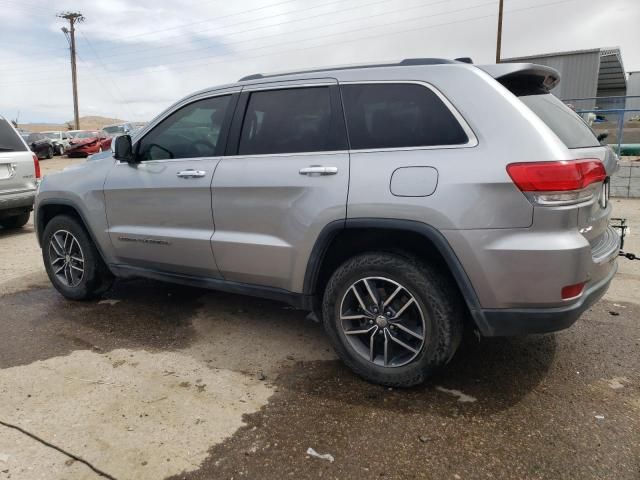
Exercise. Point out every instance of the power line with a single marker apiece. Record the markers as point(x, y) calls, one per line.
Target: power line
point(191, 41)
point(115, 86)
point(229, 44)
point(223, 60)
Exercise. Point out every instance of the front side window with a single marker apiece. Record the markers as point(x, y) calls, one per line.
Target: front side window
point(191, 132)
point(292, 120)
point(397, 115)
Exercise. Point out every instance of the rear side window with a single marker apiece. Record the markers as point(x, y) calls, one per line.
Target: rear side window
point(396, 115)
point(292, 120)
point(564, 122)
point(9, 139)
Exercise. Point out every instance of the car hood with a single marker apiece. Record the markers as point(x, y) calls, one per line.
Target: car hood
point(82, 141)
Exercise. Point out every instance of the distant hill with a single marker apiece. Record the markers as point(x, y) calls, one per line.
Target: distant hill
point(86, 123)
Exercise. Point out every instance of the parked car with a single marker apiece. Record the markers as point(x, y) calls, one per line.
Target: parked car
point(60, 141)
point(19, 175)
point(118, 129)
point(88, 142)
point(39, 144)
point(379, 198)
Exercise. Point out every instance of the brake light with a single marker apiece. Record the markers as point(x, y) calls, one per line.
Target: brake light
point(572, 291)
point(558, 183)
point(36, 166)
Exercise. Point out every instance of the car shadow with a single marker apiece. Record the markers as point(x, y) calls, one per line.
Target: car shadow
point(244, 333)
point(28, 229)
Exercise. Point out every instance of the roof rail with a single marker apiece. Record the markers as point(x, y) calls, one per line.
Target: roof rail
point(405, 62)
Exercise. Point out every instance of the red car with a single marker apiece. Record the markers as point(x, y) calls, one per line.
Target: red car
point(88, 142)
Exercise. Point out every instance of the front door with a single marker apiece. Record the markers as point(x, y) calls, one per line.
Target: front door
point(159, 209)
point(285, 178)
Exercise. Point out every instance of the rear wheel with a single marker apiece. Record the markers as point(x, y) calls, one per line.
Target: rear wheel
point(392, 319)
point(72, 261)
point(15, 221)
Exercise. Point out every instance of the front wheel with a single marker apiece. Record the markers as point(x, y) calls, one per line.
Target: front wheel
point(72, 261)
point(392, 319)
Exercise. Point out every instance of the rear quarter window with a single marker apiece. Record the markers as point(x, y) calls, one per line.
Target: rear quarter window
point(9, 139)
point(397, 115)
point(565, 123)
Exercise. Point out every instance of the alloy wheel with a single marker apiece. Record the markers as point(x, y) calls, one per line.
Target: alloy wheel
point(382, 321)
point(66, 258)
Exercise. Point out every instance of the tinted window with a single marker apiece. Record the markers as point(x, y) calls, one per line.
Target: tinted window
point(398, 115)
point(287, 121)
point(192, 131)
point(564, 122)
point(9, 140)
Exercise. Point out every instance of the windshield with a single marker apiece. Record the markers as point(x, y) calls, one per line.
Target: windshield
point(564, 122)
point(86, 135)
point(52, 135)
point(114, 129)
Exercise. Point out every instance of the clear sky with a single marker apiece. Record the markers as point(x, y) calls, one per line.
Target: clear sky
point(137, 57)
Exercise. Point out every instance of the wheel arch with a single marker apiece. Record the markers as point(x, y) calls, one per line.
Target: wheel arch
point(47, 209)
point(341, 240)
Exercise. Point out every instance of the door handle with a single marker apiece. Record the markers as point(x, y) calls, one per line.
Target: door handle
point(191, 173)
point(318, 170)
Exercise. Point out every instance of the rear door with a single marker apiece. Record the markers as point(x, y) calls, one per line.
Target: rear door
point(159, 210)
point(285, 178)
point(17, 172)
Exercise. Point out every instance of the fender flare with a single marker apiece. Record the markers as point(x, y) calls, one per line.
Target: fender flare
point(67, 203)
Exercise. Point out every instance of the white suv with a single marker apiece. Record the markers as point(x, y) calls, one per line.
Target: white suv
point(19, 175)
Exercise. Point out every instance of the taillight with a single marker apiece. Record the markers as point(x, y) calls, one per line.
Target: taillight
point(558, 183)
point(36, 166)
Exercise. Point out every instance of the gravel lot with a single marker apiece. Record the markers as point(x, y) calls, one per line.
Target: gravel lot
point(160, 381)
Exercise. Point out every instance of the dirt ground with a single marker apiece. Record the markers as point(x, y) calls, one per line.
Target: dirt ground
point(160, 381)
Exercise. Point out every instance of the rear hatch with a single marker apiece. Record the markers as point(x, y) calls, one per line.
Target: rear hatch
point(593, 217)
point(17, 169)
point(531, 84)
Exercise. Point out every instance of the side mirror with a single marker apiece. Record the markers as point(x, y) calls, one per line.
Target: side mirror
point(602, 136)
point(123, 150)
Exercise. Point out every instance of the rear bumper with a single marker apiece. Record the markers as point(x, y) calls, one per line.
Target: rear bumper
point(511, 322)
point(17, 202)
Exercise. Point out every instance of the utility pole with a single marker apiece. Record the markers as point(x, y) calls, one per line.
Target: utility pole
point(499, 43)
point(70, 33)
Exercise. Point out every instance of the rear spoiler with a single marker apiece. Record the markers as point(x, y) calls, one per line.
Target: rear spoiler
point(524, 78)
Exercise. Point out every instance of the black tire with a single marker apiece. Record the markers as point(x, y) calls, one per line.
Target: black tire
point(15, 221)
point(434, 293)
point(96, 278)
point(49, 152)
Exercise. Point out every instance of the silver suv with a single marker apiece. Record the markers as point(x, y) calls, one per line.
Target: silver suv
point(400, 203)
point(19, 177)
